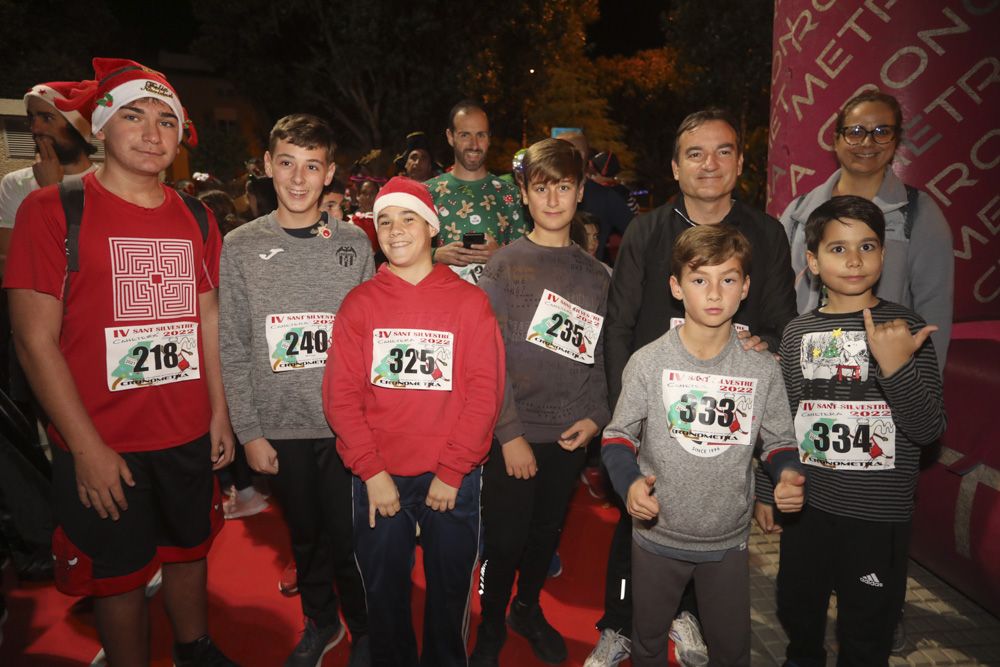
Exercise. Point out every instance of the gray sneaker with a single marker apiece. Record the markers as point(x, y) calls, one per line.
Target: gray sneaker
point(690, 647)
point(612, 648)
point(314, 644)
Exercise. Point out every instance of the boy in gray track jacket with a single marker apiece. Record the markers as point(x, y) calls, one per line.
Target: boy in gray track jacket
point(282, 279)
point(679, 451)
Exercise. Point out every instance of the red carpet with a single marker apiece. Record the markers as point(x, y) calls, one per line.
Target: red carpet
point(258, 627)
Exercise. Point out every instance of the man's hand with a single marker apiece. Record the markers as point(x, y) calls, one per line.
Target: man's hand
point(261, 456)
point(763, 514)
point(456, 254)
point(99, 471)
point(519, 458)
point(892, 344)
point(790, 492)
point(480, 253)
point(383, 496)
point(578, 434)
point(223, 442)
point(751, 342)
point(641, 503)
point(441, 496)
point(46, 168)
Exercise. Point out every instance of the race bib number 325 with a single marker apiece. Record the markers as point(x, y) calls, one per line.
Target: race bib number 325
point(708, 413)
point(562, 327)
point(412, 359)
point(298, 340)
point(151, 355)
point(846, 435)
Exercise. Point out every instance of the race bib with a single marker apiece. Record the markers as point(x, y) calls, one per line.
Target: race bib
point(412, 359)
point(298, 340)
point(708, 413)
point(470, 274)
point(151, 355)
point(834, 354)
point(846, 435)
point(677, 321)
point(562, 327)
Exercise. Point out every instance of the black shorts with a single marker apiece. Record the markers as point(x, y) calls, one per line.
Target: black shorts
point(174, 512)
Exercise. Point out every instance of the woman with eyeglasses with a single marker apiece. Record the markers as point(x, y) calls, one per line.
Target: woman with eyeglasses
point(919, 265)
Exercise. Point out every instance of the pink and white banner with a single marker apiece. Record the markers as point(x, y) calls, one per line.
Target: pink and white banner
point(941, 59)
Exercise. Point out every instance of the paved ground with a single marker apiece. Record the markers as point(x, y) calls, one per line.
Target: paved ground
point(943, 627)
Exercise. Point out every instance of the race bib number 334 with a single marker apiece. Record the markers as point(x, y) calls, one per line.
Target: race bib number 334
point(151, 355)
point(562, 327)
point(846, 435)
point(412, 359)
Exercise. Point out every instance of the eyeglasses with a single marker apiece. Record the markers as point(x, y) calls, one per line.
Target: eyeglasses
point(855, 134)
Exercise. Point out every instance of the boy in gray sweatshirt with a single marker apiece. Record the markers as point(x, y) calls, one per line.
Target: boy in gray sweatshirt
point(283, 277)
point(679, 449)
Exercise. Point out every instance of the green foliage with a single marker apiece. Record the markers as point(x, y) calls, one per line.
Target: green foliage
point(220, 152)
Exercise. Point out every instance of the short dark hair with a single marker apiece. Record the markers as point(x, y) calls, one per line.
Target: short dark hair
point(699, 118)
point(304, 130)
point(464, 106)
point(875, 95)
point(335, 187)
point(709, 245)
point(839, 208)
point(79, 141)
point(550, 161)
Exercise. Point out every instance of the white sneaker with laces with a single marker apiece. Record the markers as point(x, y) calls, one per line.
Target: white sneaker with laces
point(688, 645)
point(612, 648)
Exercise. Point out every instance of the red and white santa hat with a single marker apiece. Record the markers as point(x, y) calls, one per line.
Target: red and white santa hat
point(61, 94)
point(121, 81)
point(408, 193)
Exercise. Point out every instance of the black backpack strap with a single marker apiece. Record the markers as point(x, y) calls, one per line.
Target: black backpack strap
point(199, 212)
point(71, 196)
point(910, 216)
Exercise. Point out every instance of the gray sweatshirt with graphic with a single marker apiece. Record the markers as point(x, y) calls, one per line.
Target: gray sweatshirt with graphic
point(271, 280)
point(704, 490)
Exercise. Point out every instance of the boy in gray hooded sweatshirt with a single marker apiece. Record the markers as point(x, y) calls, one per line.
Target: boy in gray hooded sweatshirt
point(679, 451)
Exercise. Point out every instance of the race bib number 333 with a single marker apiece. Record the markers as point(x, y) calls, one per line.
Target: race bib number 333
point(412, 359)
point(298, 340)
point(562, 327)
point(151, 355)
point(708, 413)
point(846, 435)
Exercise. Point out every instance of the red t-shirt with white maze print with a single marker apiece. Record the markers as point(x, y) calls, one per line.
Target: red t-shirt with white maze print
point(131, 331)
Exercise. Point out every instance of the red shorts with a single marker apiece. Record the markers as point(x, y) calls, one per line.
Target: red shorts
point(174, 512)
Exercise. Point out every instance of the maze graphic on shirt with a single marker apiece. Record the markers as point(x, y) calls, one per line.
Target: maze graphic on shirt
point(153, 278)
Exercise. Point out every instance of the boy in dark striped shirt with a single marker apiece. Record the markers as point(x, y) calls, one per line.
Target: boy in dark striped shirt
point(865, 391)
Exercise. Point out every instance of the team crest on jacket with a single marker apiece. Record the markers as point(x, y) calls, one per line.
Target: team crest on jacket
point(346, 256)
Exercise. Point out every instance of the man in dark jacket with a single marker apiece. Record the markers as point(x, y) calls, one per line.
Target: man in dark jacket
point(707, 161)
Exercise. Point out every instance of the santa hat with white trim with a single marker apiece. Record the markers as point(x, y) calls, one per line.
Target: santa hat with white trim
point(408, 193)
point(121, 81)
point(58, 93)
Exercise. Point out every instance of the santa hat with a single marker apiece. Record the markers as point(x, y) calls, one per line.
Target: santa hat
point(410, 194)
point(61, 94)
point(120, 81)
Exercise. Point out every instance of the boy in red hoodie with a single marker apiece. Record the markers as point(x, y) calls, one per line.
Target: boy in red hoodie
point(413, 386)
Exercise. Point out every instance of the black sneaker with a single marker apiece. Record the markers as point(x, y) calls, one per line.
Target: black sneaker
point(546, 642)
point(315, 643)
point(201, 653)
point(489, 642)
point(361, 653)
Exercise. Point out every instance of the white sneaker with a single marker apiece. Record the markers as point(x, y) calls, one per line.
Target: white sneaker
point(236, 507)
point(688, 645)
point(612, 648)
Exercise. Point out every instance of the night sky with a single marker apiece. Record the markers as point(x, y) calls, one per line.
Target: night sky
point(624, 27)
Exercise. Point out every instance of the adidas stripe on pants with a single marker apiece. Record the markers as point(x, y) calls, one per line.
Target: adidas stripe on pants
point(864, 562)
